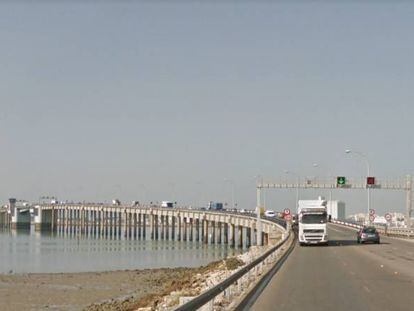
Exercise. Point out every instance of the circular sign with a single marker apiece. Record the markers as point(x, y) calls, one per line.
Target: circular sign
point(286, 211)
point(371, 217)
point(371, 211)
point(388, 216)
point(288, 217)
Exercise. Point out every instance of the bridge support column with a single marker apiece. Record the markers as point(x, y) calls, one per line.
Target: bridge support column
point(179, 235)
point(20, 217)
point(220, 233)
point(162, 227)
point(197, 230)
point(173, 228)
point(144, 226)
point(205, 231)
point(213, 232)
point(191, 229)
point(226, 233)
point(43, 219)
point(240, 236)
point(185, 228)
point(231, 235)
point(119, 224)
point(130, 223)
point(248, 237)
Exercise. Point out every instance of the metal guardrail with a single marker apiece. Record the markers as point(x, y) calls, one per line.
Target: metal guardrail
point(213, 292)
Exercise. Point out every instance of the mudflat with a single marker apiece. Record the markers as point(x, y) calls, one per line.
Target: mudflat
point(116, 290)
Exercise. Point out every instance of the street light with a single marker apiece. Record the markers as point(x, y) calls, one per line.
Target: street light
point(363, 156)
point(297, 186)
point(258, 209)
point(232, 190)
point(259, 180)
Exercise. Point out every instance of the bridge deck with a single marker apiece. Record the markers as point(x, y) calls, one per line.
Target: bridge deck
point(344, 276)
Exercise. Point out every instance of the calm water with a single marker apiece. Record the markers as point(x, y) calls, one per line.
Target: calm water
point(29, 252)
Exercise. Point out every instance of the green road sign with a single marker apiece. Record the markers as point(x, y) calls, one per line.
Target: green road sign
point(340, 180)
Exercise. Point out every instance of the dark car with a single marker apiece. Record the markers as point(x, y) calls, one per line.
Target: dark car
point(368, 234)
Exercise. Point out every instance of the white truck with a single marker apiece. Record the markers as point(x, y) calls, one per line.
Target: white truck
point(168, 204)
point(312, 220)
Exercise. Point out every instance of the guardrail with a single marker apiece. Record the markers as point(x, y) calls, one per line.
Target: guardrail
point(209, 295)
point(396, 232)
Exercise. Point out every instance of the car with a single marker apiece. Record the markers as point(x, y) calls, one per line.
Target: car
point(270, 214)
point(368, 234)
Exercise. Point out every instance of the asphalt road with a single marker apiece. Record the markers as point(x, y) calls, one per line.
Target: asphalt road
point(344, 276)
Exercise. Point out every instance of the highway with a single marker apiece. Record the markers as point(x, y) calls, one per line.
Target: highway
point(344, 276)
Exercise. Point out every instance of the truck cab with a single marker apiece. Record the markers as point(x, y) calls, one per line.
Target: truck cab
point(167, 204)
point(312, 221)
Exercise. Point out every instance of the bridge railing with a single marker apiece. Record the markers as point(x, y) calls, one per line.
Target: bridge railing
point(397, 232)
point(209, 295)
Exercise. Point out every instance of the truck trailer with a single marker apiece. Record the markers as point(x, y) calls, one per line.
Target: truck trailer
point(312, 221)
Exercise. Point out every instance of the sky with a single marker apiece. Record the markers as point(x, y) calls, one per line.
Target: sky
point(189, 101)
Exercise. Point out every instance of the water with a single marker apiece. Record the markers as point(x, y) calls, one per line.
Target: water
point(35, 252)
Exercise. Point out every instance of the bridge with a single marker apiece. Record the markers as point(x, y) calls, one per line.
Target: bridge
point(343, 275)
point(155, 222)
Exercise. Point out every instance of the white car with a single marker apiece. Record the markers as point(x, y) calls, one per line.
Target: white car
point(270, 214)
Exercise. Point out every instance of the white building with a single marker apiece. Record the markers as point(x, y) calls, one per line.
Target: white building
point(336, 209)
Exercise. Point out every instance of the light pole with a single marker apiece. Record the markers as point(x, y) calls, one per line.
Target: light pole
point(363, 156)
point(259, 180)
point(297, 185)
point(259, 187)
point(316, 167)
point(232, 190)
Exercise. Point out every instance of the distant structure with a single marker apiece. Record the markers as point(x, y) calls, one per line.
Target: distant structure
point(336, 209)
point(397, 219)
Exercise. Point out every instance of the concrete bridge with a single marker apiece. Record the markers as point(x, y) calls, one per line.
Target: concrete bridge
point(212, 227)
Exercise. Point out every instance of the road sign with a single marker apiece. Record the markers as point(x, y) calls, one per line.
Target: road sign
point(341, 180)
point(371, 217)
point(371, 211)
point(288, 217)
point(388, 216)
point(370, 180)
point(286, 211)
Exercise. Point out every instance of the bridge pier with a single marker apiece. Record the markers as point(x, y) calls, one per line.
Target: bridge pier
point(43, 219)
point(20, 217)
point(240, 236)
point(231, 235)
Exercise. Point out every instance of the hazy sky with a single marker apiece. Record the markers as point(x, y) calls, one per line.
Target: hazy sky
point(166, 100)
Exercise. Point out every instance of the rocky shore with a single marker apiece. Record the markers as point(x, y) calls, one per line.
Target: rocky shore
point(115, 290)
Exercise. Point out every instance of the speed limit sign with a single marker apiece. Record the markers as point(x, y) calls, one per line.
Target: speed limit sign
point(286, 211)
point(371, 217)
point(388, 217)
point(288, 217)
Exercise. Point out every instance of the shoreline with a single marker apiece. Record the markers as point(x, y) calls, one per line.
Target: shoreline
point(109, 290)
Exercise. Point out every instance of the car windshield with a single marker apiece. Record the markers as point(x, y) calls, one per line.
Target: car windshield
point(369, 230)
point(314, 218)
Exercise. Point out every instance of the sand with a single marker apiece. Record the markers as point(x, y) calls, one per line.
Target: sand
point(116, 290)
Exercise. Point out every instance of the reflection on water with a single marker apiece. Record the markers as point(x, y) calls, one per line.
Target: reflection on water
point(27, 251)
